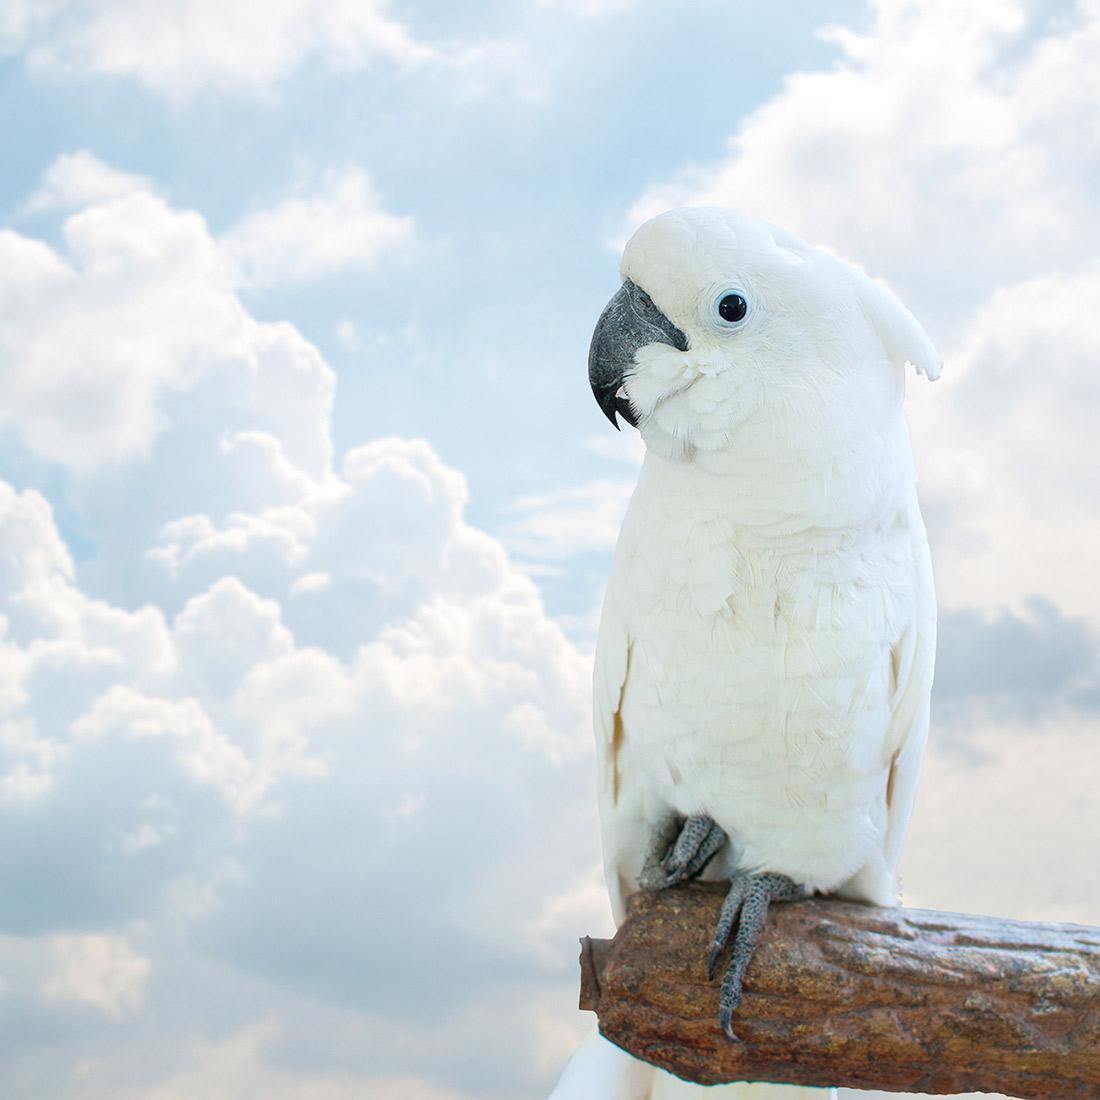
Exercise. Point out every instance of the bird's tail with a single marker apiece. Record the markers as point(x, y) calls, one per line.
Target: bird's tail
point(601, 1071)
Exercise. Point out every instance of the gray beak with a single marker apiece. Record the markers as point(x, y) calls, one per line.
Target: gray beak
point(629, 322)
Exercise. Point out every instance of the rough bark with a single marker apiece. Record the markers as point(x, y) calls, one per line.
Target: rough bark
point(838, 993)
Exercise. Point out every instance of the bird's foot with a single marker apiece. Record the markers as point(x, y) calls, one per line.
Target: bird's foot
point(749, 897)
point(681, 848)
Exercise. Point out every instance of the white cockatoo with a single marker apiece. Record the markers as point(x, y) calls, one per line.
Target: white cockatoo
point(764, 660)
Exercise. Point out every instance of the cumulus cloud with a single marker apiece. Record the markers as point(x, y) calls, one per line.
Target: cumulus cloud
point(385, 845)
point(308, 237)
point(135, 309)
point(75, 179)
point(337, 748)
point(143, 312)
point(187, 47)
point(1005, 447)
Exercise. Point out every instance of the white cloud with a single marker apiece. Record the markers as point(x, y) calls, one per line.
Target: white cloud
point(312, 236)
point(621, 446)
point(226, 630)
point(219, 734)
point(347, 335)
point(76, 179)
point(244, 1063)
point(1006, 821)
point(1005, 445)
point(142, 309)
point(187, 45)
point(588, 9)
point(330, 702)
point(563, 522)
point(18, 18)
point(98, 970)
point(183, 48)
point(133, 312)
point(575, 519)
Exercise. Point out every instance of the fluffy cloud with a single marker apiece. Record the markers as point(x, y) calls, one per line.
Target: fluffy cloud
point(1005, 447)
point(297, 721)
point(308, 237)
point(186, 47)
point(413, 814)
point(135, 309)
point(75, 179)
point(143, 314)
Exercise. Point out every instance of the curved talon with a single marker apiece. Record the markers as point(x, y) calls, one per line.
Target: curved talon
point(712, 959)
point(725, 1018)
point(748, 898)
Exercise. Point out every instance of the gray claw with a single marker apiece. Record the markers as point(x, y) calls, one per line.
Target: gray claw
point(681, 849)
point(725, 1018)
point(748, 897)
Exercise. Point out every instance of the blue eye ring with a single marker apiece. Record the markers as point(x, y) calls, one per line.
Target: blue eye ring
point(741, 306)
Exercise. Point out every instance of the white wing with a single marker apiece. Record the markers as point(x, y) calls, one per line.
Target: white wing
point(913, 660)
point(626, 833)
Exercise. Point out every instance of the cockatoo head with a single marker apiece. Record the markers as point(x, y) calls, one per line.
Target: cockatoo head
point(727, 328)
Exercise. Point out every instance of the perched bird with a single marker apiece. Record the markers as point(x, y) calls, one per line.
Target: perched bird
point(765, 653)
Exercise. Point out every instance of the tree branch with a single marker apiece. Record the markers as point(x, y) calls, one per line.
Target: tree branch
point(845, 994)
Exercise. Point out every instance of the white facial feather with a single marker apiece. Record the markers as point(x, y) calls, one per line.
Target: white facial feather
point(821, 350)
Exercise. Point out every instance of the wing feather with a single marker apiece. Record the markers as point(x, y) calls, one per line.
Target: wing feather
point(912, 660)
point(623, 826)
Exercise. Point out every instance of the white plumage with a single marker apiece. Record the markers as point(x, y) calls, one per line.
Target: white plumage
point(766, 647)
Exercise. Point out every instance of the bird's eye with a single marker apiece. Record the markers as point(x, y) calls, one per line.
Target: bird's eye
point(732, 308)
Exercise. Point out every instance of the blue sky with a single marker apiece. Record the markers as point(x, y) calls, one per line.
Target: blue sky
point(305, 507)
